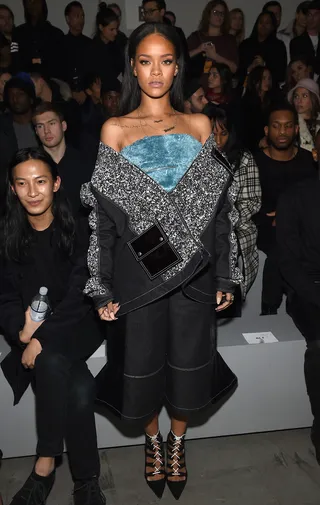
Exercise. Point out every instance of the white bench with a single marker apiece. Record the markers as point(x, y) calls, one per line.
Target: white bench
point(271, 393)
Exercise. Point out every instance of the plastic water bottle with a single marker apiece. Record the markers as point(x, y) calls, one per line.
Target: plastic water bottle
point(40, 306)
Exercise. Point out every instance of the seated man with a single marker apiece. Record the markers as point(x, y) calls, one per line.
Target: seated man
point(194, 97)
point(280, 165)
point(92, 116)
point(16, 130)
point(110, 98)
point(74, 168)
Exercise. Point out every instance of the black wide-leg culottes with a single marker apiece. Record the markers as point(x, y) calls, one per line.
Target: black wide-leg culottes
point(163, 353)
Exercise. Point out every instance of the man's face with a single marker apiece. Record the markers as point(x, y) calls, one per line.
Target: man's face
point(281, 131)
point(34, 8)
point(277, 12)
point(19, 101)
point(152, 13)
point(313, 19)
point(198, 101)
point(50, 129)
point(110, 102)
point(6, 22)
point(76, 20)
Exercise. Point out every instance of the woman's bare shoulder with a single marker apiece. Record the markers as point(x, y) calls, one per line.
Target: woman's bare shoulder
point(199, 125)
point(114, 129)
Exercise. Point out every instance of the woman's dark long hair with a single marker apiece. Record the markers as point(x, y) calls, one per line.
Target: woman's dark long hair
point(131, 93)
point(225, 77)
point(104, 17)
point(234, 148)
point(254, 33)
point(254, 85)
point(16, 231)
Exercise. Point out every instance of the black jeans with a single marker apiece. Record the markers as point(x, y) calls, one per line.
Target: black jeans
point(65, 394)
point(306, 317)
point(272, 283)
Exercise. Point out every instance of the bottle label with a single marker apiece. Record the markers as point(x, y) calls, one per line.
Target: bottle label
point(39, 311)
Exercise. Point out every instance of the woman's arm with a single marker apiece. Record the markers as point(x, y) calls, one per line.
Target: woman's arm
point(249, 195)
point(212, 54)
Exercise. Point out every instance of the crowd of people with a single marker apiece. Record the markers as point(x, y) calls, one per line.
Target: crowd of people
point(201, 151)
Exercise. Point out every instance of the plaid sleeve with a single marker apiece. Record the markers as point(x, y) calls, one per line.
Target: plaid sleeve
point(248, 203)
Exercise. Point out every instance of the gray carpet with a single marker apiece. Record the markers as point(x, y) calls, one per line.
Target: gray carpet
point(263, 469)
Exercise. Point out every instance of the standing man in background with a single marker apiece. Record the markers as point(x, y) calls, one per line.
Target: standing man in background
point(307, 45)
point(40, 43)
point(75, 46)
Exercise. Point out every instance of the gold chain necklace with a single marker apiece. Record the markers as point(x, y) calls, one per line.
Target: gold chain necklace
point(166, 130)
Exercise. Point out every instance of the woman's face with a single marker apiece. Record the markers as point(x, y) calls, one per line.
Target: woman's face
point(109, 32)
point(265, 26)
point(217, 16)
point(155, 65)
point(300, 70)
point(236, 21)
point(266, 81)
point(214, 80)
point(302, 101)
point(221, 135)
point(34, 187)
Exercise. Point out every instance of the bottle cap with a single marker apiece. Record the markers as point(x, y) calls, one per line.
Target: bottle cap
point(43, 291)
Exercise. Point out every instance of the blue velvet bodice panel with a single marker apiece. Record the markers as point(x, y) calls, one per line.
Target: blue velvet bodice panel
point(165, 158)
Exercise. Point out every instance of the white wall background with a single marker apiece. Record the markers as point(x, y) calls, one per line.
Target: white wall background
point(188, 12)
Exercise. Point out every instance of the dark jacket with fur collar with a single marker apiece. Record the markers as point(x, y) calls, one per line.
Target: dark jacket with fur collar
point(197, 219)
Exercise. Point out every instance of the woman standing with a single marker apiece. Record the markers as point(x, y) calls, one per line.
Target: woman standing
point(42, 246)
point(305, 98)
point(105, 56)
point(237, 26)
point(162, 253)
point(212, 42)
point(263, 48)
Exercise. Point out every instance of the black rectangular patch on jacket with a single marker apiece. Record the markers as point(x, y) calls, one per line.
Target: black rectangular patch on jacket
point(153, 251)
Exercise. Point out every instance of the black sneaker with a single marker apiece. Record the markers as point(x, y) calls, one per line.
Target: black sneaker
point(35, 490)
point(88, 493)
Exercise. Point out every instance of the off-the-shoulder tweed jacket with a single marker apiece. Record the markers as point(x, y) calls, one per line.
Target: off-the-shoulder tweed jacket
point(197, 217)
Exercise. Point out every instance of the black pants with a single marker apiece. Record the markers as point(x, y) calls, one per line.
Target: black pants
point(272, 283)
point(164, 352)
point(306, 317)
point(65, 393)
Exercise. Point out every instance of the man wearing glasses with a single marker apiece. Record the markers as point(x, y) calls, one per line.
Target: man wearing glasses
point(154, 11)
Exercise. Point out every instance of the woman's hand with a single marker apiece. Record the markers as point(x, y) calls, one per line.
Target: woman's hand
point(29, 355)
point(29, 328)
point(263, 144)
point(211, 52)
point(226, 298)
point(257, 62)
point(108, 313)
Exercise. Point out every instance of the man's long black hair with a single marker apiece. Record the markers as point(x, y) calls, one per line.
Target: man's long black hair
point(16, 232)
